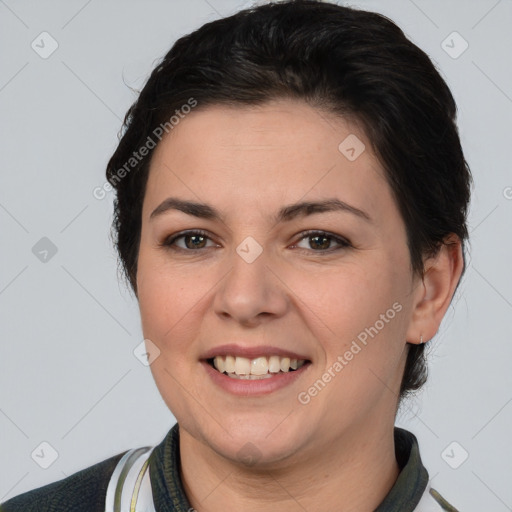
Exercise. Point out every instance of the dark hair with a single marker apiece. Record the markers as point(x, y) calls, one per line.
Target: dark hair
point(341, 60)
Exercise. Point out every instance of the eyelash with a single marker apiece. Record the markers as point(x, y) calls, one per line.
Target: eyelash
point(343, 243)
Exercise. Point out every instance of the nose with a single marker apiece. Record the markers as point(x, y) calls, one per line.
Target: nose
point(251, 292)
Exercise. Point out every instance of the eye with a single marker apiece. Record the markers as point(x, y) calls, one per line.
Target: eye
point(189, 241)
point(317, 241)
point(321, 241)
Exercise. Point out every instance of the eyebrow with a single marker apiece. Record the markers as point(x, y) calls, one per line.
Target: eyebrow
point(285, 214)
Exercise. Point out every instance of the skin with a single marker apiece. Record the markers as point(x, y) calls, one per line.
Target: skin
point(248, 162)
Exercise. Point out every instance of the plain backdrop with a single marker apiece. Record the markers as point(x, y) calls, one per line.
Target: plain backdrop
point(69, 328)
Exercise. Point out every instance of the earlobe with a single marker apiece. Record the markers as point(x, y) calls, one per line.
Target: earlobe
point(435, 290)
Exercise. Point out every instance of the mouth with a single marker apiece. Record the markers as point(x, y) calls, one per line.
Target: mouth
point(253, 371)
point(258, 368)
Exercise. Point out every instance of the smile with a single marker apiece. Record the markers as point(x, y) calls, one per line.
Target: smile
point(255, 369)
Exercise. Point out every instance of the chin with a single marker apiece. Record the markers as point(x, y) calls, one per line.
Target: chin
point(254, 441)
point(256, 453)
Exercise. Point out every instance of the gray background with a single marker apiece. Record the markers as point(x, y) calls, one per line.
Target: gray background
point(68, 375)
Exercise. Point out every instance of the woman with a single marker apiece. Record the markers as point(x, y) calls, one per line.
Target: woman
point(291, 215)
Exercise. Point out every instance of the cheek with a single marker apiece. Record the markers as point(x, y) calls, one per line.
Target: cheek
point(168, 299)
point(346, 301)
point(360, 315)
point(362, 329)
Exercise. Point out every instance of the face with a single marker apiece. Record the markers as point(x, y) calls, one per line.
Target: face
point(266, 246)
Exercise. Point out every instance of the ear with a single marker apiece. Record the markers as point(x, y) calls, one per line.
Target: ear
point(434, 291)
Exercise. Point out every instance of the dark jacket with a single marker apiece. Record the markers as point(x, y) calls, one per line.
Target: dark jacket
point(85, 491)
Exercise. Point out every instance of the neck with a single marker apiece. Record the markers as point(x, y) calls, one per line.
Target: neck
point(353, 475)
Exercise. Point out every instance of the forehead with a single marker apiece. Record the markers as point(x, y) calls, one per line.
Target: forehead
point(281, 151)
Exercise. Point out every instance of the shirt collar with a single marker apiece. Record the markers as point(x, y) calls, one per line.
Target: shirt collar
point(169, 495)
point(412, 481)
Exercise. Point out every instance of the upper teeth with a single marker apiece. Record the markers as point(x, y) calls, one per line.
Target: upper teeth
point(257, 366)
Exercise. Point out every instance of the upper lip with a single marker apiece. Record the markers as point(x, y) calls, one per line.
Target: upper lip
point(251, 352)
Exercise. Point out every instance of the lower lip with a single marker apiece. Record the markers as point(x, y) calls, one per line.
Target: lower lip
point(243, 387)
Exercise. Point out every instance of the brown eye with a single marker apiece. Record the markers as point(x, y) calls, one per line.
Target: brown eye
point(194, 241)
point(320, 241)
point(189, 241)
